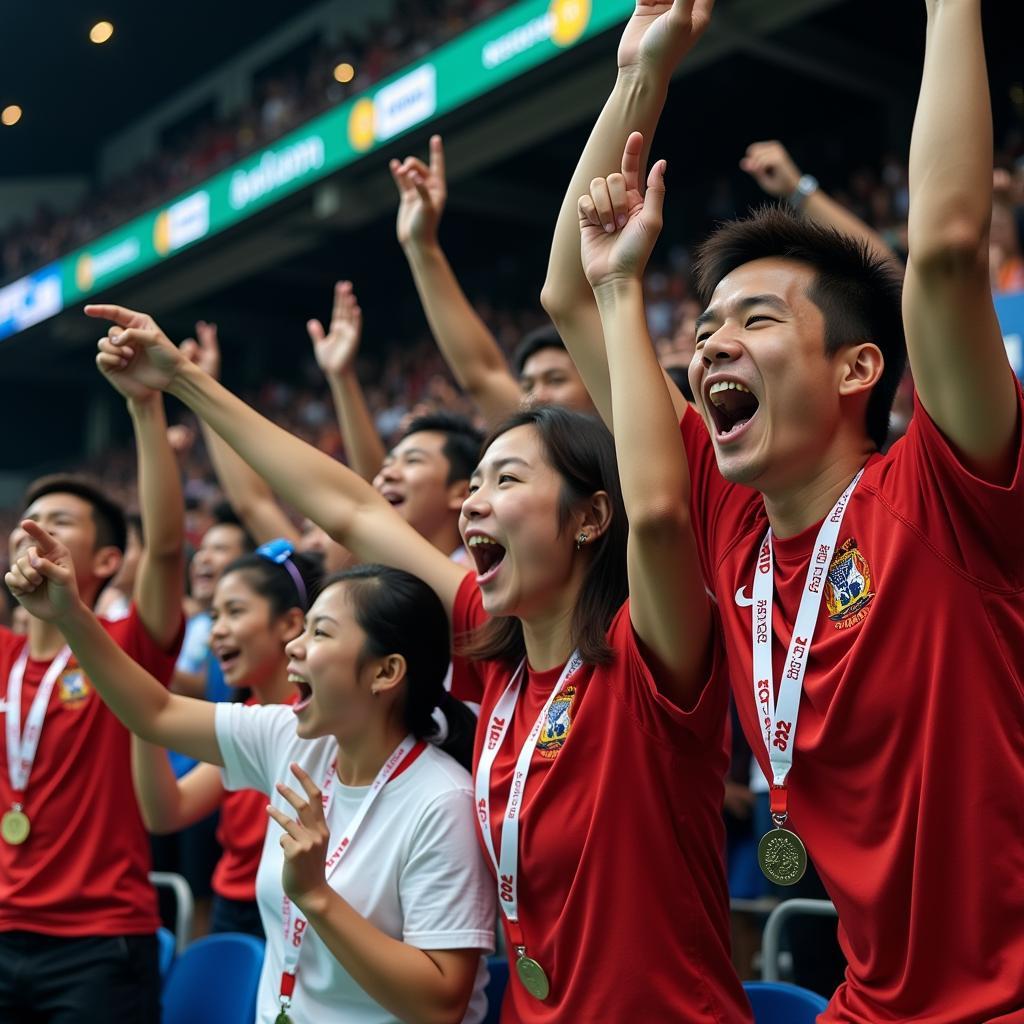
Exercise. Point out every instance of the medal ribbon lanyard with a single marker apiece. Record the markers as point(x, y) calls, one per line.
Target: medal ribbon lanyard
point(22, 746)
point(293, 918)
point(778, 721)
point(501, 718)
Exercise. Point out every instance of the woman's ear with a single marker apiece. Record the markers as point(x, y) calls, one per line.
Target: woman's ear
point(291, 624)
point(387, 673)
point(594, 517)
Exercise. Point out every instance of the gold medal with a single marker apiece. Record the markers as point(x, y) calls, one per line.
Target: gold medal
point(15, 827)
point(532, 975)
point(782, 856)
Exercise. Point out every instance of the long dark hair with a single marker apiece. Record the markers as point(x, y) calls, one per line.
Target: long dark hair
point(272, 581)
point(581, 450)
point(400, 614)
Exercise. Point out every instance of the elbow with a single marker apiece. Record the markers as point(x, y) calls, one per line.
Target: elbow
point(557, 302)
point(959, 248)
point(657, 519)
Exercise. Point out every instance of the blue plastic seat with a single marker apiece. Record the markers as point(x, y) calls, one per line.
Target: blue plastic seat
point(775, 1002)
point(165, 952)
point(215, 981)
point(498, 967)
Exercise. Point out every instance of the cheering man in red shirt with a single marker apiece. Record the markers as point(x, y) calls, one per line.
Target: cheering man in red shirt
point(872, 605)
point(77, 913)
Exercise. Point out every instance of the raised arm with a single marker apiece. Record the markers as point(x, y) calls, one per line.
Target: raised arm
point(330, 494)
point(954, 343)
point(169, 804)
point(43, 580)
point(655, 39)
point(468, 347)
point(246, 491)
point(160, 580)
point(668, 604)
point(335, 353)
point(771, 166)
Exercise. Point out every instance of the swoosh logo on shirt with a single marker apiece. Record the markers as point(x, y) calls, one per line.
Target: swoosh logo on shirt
point(742, 600)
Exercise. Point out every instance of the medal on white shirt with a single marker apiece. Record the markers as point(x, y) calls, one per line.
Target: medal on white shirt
point(22, 745)
point(528, 970)
point(295, 923)
point(781, 853)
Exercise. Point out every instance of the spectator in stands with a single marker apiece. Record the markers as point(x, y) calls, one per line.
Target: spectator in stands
point(544, 369)
point(259, 605)
point(77, 913)
point(405, 940)
point(1005, 260)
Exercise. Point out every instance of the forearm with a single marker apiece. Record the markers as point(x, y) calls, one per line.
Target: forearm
point(247, 492)
point(363, 446)
point(160, 498)
point(156, 788)
point(401, 978)
point(468, 347)
point(822, 209)
point(951, 148)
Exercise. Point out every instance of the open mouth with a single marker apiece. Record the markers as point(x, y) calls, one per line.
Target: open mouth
point(393, 498)
point(228, 658)
point(488, 555)
point(732, 405)
point(305, 693)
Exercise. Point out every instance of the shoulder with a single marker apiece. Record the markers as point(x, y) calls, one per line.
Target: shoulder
point(437, 773)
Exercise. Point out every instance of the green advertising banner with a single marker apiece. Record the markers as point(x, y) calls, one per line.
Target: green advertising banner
point(487, 56)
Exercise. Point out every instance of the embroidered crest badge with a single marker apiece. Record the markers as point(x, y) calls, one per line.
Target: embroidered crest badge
point(848, 587)
point(557, 725)
point(73, 688)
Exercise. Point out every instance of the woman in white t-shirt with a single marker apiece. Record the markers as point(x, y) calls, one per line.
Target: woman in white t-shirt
point(375, 899)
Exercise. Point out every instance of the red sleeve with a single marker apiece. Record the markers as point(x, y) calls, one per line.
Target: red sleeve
point(467, 614)
point(720, 510)
point(133, 638)
point(975, 524)
point(637, 682)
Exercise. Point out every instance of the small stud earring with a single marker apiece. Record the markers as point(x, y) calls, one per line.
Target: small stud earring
point(581, 540)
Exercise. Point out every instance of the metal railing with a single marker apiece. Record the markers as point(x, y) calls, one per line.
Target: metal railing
point(773, 930)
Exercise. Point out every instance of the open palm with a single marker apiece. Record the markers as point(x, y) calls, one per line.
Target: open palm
point(659, 34)
point(335, 351)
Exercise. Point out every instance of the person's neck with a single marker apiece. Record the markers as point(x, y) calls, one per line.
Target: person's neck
point(548, 634)
point(361, 757)
point(800, 504)
point(275, 689)
point(44, 639)
point(445, 537)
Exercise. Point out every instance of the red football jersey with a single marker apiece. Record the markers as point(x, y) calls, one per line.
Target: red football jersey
point(622, 895)
point(240, 832)
point(907, 782)
point(83, 869)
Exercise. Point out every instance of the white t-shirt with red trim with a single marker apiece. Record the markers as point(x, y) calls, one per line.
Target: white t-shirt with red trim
point(622, 889)
point(83, 869)
point(414, 869)
point(907, 782)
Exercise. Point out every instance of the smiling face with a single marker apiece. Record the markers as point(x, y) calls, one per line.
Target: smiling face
point(767, 390)
point(221, 545)
point(414, 480)
point(335, 689)
point(550, 377)
point(246, 637)
point(510, 524)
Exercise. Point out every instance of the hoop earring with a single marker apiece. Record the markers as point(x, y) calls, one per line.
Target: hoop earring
point(581, 540)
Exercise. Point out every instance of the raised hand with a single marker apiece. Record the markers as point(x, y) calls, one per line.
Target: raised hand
point(659, 35)
point(422, 192)
point(304, 839)
point(771, 166)
point(336, 350)
point(618, 224)
point(42, 577)
point(205, 352)
point(139, 354)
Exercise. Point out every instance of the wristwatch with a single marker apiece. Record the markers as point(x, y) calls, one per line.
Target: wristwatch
point(805, 187)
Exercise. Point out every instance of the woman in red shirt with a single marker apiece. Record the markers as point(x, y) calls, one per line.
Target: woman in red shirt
point(259, 605)
point(591, 647)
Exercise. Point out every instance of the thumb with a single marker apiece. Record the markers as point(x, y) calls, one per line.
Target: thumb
point(52, 571)
point(190, 349)
point(654, 197)
point(315, 330)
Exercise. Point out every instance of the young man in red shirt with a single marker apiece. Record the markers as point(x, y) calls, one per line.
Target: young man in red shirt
point(879, 596)
point(77, 913)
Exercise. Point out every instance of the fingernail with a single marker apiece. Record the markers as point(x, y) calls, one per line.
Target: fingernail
point(610, 228)
point(621, 219)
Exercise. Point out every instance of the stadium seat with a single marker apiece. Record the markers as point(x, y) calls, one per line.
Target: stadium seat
point(498, 968)
point(215, 981)
point(165, 953)
point(776, 1002)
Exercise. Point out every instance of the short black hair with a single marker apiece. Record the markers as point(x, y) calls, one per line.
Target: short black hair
point(107, 514)
point(858, 292)
point(224, 515)
point(461, 441)
point(535, 341)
